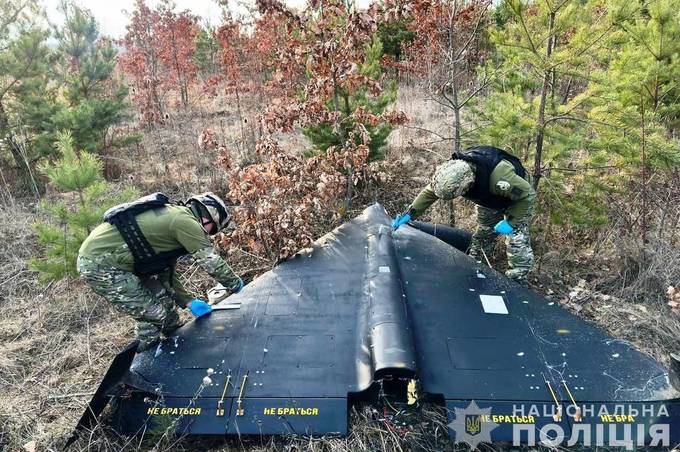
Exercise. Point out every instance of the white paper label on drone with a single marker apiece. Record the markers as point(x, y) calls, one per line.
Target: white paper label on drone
point(384, 269)
point(493, 304)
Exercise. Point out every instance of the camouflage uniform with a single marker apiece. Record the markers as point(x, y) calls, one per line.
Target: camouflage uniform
point(518, 244)
point(152, 307)
point(106, 265)
point(520, 196)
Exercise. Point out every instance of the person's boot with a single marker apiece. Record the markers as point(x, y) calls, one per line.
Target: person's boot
point(147, 343)
point(148, 335)
point(171, 323)
point(519, 275)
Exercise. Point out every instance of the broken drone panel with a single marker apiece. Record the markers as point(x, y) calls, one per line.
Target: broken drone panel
point(367, 305)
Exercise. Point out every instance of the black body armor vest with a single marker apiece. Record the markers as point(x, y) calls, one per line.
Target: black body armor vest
point(146, 260)
point(485, 159)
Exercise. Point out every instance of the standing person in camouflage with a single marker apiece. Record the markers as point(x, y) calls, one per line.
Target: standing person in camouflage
point(130, 258)
point(498, 183)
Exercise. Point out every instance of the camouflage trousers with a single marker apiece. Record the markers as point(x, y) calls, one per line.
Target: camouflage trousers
point(518, 244)
point(153, 307)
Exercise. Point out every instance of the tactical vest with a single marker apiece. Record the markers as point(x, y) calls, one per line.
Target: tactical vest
point(146, 260)
point(485, 160)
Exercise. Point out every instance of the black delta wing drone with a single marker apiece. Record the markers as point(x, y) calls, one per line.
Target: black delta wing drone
point(368, 312)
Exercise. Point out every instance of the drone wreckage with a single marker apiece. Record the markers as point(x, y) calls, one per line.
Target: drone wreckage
point(368, 312)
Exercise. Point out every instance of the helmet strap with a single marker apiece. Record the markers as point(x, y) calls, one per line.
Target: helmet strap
point(222, 213)
point(196, 210)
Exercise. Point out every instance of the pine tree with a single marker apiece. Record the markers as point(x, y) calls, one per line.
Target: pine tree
point(24, 56)
point(70, 87)
point(395, 35)
point(632, 98)
point(545, 52)
point(325, 135)
point(207, 52)
point(84, 197)
point(537, 108)
point(95, 100)
point(639, 84)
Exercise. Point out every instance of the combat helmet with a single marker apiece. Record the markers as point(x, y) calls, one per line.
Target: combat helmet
point(211, 204)
point(452, 179)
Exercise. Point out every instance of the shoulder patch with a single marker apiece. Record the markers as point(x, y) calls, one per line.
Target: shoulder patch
point(516, 191)
point(503, 185)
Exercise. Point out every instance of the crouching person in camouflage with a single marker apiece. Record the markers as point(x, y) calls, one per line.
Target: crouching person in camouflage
point(498, 183)
point(130, 258)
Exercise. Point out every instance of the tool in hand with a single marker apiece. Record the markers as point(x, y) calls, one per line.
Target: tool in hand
point(199, 308)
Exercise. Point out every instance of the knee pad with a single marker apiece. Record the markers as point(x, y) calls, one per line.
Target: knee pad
point(154, 313)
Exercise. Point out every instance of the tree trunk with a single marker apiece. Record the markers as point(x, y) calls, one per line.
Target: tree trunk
point(240, 116)
point(644, 171)
point(541, 108)
point(456, 146)
point(456, 119)
point(343, 142)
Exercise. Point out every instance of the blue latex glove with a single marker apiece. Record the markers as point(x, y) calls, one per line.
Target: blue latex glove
point(199, 308)
point(401, 219)
point(503, 227)
point(241, 285)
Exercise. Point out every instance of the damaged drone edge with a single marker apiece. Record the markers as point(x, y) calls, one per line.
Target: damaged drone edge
point(386, 353)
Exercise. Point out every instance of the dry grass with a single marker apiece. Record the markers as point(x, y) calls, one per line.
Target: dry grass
point(371, 429)
point(57, 341)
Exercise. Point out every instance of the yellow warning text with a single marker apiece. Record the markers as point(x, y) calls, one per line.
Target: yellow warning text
point(291, 411)
point(173, 411)
point(617, 418)
point(508, 419)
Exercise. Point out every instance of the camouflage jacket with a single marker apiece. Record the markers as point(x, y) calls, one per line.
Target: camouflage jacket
point(166, 229)
point(503, 182)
